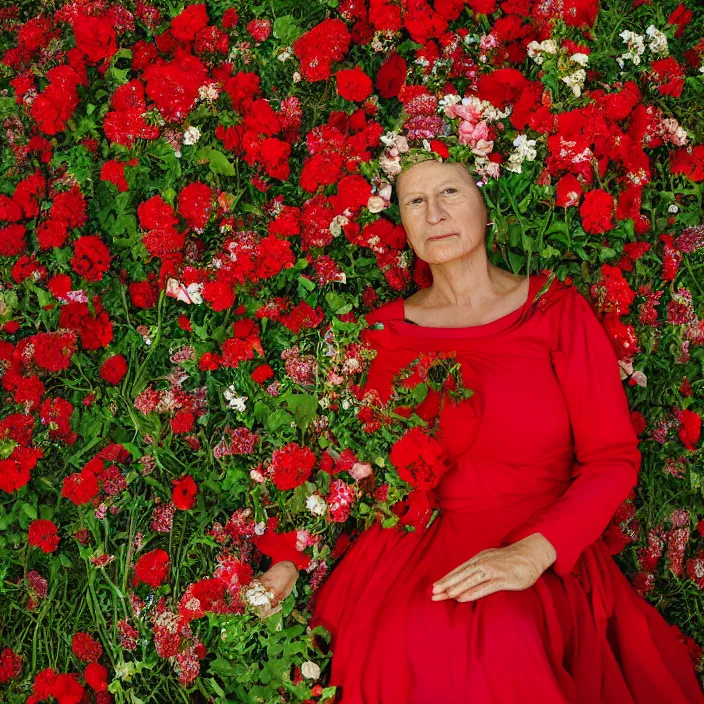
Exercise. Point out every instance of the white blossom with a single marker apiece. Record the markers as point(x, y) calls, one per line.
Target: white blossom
point(576, 81)
point(315, 503)
point(191, 135)
point(234, 400)
point(310, 670)
point(658, 41)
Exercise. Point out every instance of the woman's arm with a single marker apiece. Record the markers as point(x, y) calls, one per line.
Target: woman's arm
point(607, 459)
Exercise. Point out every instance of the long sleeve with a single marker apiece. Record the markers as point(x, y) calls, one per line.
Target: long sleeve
point(607, 459)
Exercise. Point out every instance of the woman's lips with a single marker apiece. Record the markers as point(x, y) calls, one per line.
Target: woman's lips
point(441, 237)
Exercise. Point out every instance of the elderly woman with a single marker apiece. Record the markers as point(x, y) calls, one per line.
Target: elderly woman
point(511, 595)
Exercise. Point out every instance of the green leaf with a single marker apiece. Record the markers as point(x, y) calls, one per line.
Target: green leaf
point(30, 511)
point(286, 29)
point(217, 160)
point(303, 407)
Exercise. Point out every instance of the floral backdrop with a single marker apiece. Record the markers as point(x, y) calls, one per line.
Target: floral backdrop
point(192, 226)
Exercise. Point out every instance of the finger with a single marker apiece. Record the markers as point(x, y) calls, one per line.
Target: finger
point(446, 582)
point(482, 590)
point(471, 581)
point(472, 561)
point(467, 581)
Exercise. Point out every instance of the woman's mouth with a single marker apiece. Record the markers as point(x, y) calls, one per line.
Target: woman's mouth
point(441, 237)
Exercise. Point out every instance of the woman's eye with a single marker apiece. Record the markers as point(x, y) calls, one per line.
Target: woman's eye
point(451, 190)
point(415, 200)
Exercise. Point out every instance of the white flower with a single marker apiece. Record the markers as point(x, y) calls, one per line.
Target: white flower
point(186, 294)
point(257, 595)
point(191, 135)
point(315, 503)
point(285, 55)
point(576, 81)
point(673, 208)
point(580, 58)
point(376, 204)
point(310, 670)
point(296, 78)
point(658, 41)
point(536, 50)
point(260, 528)
point(234, 400)
point(336, 225)
point(636, 46)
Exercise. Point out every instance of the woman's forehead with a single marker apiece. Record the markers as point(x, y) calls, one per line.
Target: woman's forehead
point(429, 174)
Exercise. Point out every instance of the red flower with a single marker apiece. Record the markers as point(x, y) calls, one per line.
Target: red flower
point(391, 76)
point(668, 76)
point(262, 373)
point(91, 258)
point(143, 294)
point(419, 459)
point(505, 85)
point(596, 211)
point(43, 534)
point(689, 162)
point(690, 428)
point(10, 665)
point(80, 487)
point(151, 567)
point(195, 202)
point(354, 84)
point(67, 690)
point(568, 191)
point(114, 369)
point(291, 465)
point(182, 422)
point(96, 676)
point(95, 37)
point(189, 22)
point(85, 647)
point(259, 30)
point(184, 492)
point(12, 240)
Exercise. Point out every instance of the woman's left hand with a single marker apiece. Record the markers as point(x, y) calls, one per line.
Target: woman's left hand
point(513, 568)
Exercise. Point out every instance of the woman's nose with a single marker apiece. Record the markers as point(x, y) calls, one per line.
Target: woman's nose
point(434, 212)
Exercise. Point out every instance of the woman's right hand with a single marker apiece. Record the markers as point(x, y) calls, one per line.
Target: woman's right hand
point(280, 578)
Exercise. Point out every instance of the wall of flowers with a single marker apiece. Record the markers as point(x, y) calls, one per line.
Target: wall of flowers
point(192, 226)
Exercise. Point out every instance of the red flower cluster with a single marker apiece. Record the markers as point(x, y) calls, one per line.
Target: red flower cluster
point(151, 568)
point(318, 48)
point(291, 465)
point(419, 459)
point(43, 534)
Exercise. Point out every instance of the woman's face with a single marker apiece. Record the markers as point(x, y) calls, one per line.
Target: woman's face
point(439, 198)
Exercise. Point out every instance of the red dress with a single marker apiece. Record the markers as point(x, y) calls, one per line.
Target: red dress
point(545, 445)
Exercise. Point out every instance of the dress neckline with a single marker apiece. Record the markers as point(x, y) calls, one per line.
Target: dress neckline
point(405, 327)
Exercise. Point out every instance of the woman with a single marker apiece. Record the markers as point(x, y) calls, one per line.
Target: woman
point(510, 595)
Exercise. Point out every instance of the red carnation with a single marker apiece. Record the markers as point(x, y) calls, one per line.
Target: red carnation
point(195, 203)
point(86, 648)
point(291, 465)
point(182, 422)
point(354, 84)
point(114, 369)
point(259, 30)
point(690, 428)
point(91, 258)
point(43, 534)
point(96, 677)
point(596, 211)
point(143, 294)
point(12, 240)
point(262, 373)
point(419, 459)
point(80, 487)
point(151, 567)
point(184, 492)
